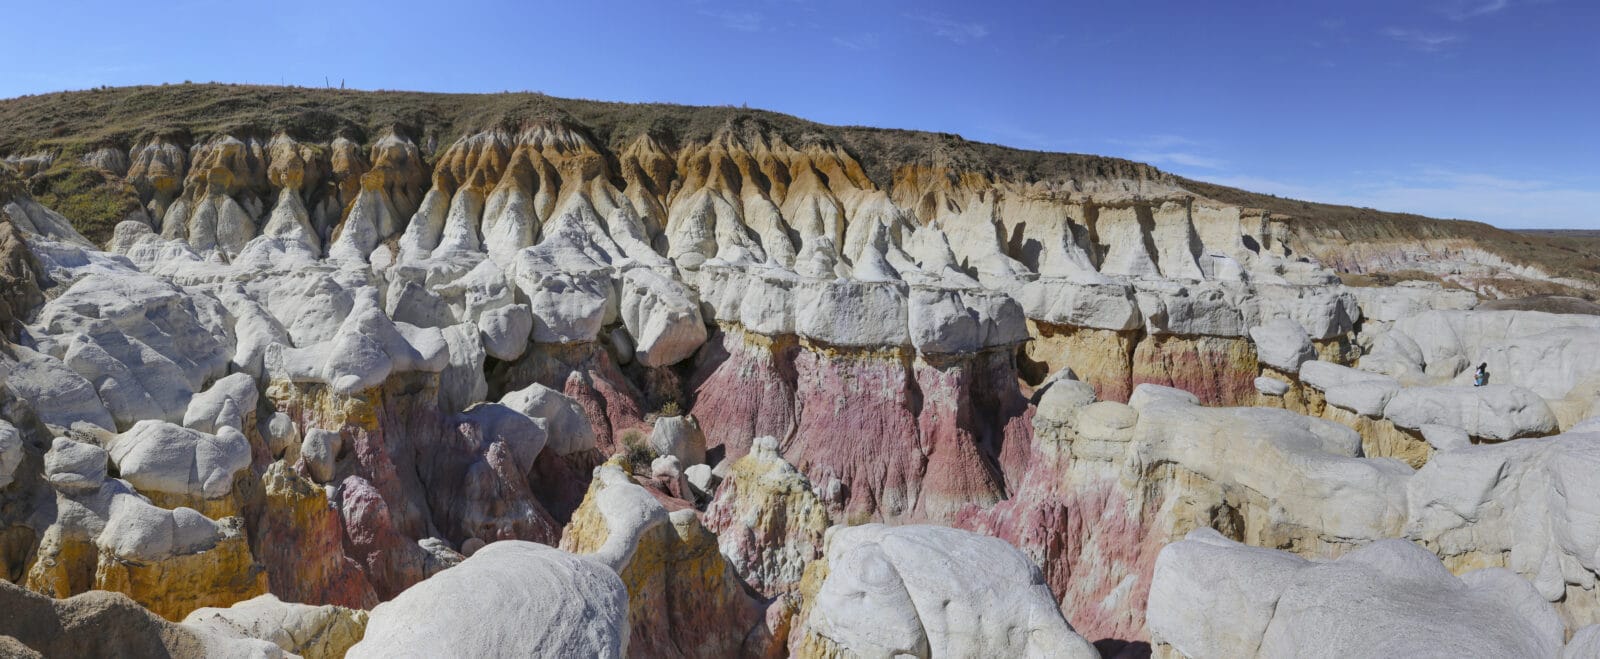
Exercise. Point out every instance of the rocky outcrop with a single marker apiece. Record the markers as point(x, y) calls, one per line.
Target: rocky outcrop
point(177, 466)
point(511, 597)
point(769, 522)
point(683, 597)
point(300, 538)
point(19, 277)
point(1217, 598)
point(312, 632)
point(1520, 505)
point(1550, 355)
point(342, 367)
point(927, 591)
point(1108, 485)
point(100, 623)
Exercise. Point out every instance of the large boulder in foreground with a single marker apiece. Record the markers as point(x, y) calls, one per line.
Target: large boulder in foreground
point(511, 598)
point(1213, 597)
point(931, 591)
point(1531, 506)
point(106, 624)
point(313, 632)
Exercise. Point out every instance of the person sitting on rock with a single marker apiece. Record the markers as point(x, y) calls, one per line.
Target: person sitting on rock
point(1482, 376)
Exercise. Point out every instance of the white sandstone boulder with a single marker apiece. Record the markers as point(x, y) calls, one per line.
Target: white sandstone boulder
point(661, 316)
point(1282, 344)
point(156, 456)
point(934, 591)
point(1212, 597)
point(510, 598)
point(224, 404)
point(566, 426)
point(506, 330)
point(680, 437)
point(11, 453)
point(1494, 412)
point(72, 467)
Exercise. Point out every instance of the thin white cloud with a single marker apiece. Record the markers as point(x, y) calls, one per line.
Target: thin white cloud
point(956, 31)
point(1021, 138)
point(1156, 142)
point(865, 41)
point(1179, 158)
point(1448, 193)
point(1169, 151)
point(1461, 10)
point(743, 21)
point(1423, 40)
point(1263, 185)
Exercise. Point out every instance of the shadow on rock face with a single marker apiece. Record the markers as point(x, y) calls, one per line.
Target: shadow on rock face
point(1111, 648)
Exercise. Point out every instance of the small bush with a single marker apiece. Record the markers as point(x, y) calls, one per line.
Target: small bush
point(83, 195)
point(670, 408)
point(635, 450)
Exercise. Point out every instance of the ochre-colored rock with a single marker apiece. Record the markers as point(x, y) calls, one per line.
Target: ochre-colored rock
point(105, 624)
point(684, 598)
point(1103, 358)
point(1218, 370)
point(312, 632)
point(768, 522)
point(1381, 439)
point(300, 540)
point(170, 588)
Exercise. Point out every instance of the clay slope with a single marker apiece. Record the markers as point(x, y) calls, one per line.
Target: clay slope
point(101, 156)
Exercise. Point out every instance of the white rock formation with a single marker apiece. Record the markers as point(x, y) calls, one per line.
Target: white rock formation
point(226, 403)
point(1213, 597)
point(506, 330)
point(10, 453)
point(933, 591)
point(320, 449)
point(1529, 505)
point(1494, 412)
point(661, 316)
point(565, 424)
point(366, 348)
point(679, 437)
point(301, 629)
point(156, 456)
point(1282, 344)
point(510, 598)
point(73, 467)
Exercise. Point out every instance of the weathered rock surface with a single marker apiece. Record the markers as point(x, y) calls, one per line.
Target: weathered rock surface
point(313, 632)
point(1106, 486)
point(768, 521)
point(1494, 412)
point(110, 538)
point(679, 437)
point(929, 591)
point(180, 466)
point(1525, 505)
point(510, 598)
point(1216, 598)
point(106, 624)
point(683, 597)
point(1050, 354)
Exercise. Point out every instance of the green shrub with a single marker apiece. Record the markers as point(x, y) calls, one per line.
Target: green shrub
point(84, 196)
point(636, 450)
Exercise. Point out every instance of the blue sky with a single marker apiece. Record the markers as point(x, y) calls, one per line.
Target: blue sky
point(1480, 109)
